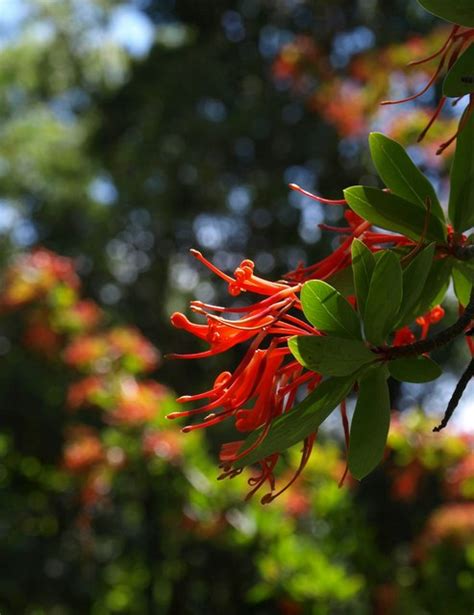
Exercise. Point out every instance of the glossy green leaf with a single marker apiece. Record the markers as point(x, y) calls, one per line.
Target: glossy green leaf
point(394, 213)
point(363, 263)
point(461, 198)
point(303, 420)
point(384, 298)
point(467, 269)
point(329, 355)
point(327, 310)
point(342, 281)
point(462, 285)
point(414, 369)
point(370, 423)
point(460, 79)
point(457, 11)
point(434, 289)
point(401, 175)
point(414, 278)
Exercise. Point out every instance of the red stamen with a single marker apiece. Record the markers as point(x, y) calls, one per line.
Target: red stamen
point(320, 199)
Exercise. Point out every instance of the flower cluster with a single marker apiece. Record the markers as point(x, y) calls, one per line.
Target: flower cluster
point(351, 101)
point(268, 381)
point(32, 276)
point(108, 364)
point(116, 348)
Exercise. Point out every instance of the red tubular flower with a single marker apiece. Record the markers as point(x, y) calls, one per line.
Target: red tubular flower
point(430, 318)
point(265, 383)
point(341, 257)
point(404, 336)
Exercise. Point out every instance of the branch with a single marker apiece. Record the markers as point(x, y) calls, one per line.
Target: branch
point(436, 341)
point(456, 396)
point(463, 253)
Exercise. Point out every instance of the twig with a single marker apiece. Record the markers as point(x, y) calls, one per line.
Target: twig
point(463, 253)
point(436, 341)
point(456, 396)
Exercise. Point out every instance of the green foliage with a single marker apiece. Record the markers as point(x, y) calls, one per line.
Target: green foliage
point(414, 369)
point(457, 11)
point(302, 421)
point(414, 280)
point(462, 283)
point(461, 196)
point(434, 288)
point(363, 263)
point(370, 423)
point(394, 213)
point(459, 80)
point(384, 298)
point(327, 310)
point(330, 355)
point(401, 175)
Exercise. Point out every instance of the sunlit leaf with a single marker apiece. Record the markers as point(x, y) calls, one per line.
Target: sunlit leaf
point(400, 174)
point(460, 79)
point(327, 310)
point(457, 11)
point(462, 284)
point(363, 263)
point(384, 298)
point(467, 269)
point(330, 356)
point(370, 423)
point(414, 278)
point(461, 198)
point(394, 213)
point(414, 369)
point(303, 420)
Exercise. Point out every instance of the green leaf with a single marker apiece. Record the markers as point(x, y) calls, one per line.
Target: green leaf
point(460, 79)
point(457, 11)
point(370, 423)
point(330, 356)
point(342, 281)
point(462, 285)
point(303, 420)
point(414, 369)
point(401, 175)
point(434, 289)
point(414, 278)
point(384, 298)
point(394, 213)
point(328, 311)
point(467, 269)
point(461, 198)
point(363, 263)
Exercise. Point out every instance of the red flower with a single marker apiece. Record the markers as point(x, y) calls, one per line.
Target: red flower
point(33, 275)
point(404, 336)
point(137, 402)
point(165, 443)
point(83, 449)
point(265, 383)
point(430, 318)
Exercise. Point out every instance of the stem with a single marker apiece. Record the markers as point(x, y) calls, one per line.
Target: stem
point(436, 341)
point(464, 253)
point(456, 396)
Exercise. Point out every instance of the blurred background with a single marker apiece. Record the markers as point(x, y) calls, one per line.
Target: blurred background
point(129, 133)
